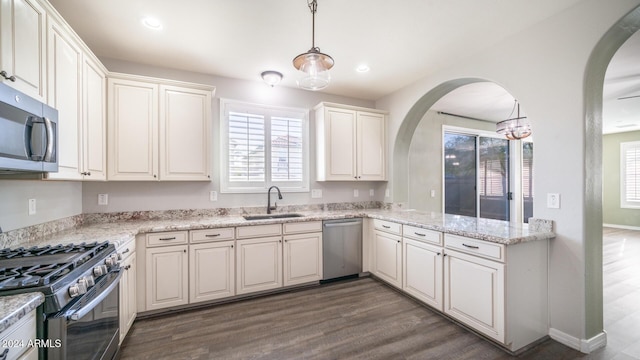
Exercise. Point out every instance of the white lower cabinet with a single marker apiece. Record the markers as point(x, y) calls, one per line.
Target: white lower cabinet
point(387, 257)
point(302, 258)
point(128, 307)
point(422, 272)
point(16, 338)
point(167, 275)
point(474, 293)
point(259, 264)
point(211, 271)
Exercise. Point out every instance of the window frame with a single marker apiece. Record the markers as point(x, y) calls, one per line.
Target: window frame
point(624, 147)
point(268, 111)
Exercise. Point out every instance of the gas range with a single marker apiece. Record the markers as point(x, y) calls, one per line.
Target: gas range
point(60, 272)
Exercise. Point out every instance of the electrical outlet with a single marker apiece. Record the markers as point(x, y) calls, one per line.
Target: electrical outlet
point(386, 193)
point(316, 193)
point(213, 195)
point(371, 192)
point(356, 193)
point(433, 193)
point(103, 199)
point(32, 206)
point(553, 201)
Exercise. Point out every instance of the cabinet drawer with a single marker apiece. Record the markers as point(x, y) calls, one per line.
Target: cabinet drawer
point(244, 232)
point(167, 238)
point(476, 247)
point(302, 227)
point(387, 226)
point(196, 236)
point(425, 235)
point(125, 250)
point(17, 336)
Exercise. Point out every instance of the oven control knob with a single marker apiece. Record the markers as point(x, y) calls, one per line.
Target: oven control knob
point(89, 281)
point(111, 260)
point(99, 270)
point(74, 291)
point(82, 286)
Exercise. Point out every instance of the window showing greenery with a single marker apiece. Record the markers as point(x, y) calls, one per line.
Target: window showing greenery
point(263, 146)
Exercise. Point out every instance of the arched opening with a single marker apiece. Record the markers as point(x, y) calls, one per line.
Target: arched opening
point(597, 66)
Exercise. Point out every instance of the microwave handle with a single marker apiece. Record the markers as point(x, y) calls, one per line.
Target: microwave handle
point(49, 152)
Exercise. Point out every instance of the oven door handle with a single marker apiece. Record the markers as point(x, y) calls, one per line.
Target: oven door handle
point(80, 313)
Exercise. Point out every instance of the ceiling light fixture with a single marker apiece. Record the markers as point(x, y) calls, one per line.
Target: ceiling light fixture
point(271, 77)
point(152, 23)
point(314, 64)
point(514, 128)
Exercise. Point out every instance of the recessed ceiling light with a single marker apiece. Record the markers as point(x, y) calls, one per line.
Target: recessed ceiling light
point(152, 23)
point(363, 68)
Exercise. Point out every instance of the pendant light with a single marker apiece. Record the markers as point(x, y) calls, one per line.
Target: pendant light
point(314, 64)
point(514, 128)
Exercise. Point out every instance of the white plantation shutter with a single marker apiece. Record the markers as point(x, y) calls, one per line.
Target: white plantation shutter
point(263, 146)
point(630, 166)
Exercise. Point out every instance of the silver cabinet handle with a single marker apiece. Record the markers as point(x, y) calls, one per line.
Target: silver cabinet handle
point(212, 235)
point(419, 234)
point(126, 251)
point(169, 238)
point(470, 246)
point(386, 226)
point(7, 77)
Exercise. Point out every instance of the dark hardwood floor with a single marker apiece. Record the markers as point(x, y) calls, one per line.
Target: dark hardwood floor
point(365, 319)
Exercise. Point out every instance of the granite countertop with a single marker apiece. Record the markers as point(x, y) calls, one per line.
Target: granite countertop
point(15, 307)
point(121, 231)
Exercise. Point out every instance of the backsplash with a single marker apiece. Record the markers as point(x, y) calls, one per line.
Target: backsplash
point(20, 236)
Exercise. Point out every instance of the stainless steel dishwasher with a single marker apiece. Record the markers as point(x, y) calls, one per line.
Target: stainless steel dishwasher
point(341, 248)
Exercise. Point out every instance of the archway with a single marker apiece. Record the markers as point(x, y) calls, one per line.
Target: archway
point(593, 92)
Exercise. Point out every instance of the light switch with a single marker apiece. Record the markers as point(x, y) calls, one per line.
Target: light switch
point(356, 193)
point(433, 193)
point(553, 201)
point(32, 206)
point(213, 195)
point(316, 193)
point(103, 199)
point(372, 192)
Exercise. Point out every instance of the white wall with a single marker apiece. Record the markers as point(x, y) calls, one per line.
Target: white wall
point(54, 200)
point(134, 196)
point(544, 67)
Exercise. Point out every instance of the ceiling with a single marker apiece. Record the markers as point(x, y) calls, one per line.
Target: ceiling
point(400, 44)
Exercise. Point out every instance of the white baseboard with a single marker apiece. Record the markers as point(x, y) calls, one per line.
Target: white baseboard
point(625, 227)
point(585, 346)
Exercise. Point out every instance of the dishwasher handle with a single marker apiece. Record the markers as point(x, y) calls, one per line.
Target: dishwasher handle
point(340, 224)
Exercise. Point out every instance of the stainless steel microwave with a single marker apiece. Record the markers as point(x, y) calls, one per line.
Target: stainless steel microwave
point(28, 133)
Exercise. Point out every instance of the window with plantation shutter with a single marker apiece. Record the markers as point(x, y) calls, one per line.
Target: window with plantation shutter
point(263, 146)
point(630, 174)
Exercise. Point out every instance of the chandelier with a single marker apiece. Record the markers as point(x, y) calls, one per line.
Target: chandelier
point(514, 128)
point(314, 64)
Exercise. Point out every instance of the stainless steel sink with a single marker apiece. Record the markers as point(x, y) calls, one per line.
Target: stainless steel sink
point(272, 216)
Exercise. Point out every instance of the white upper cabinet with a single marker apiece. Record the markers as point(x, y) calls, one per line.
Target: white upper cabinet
point(351, 143)
point(94, 121)
point(185, 117)
point(158, 129)
point(65, 94)
point(23, 46)
point(132, 123)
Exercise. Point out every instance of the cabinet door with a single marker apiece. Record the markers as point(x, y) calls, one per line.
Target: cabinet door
point(387, 257)
point(211, 271)
point(371, 130)
point(167, 277)
point(422, 271)
point(185, 126)
point(65, 94)
point(340, 138)
point(128, 299)
point(94, 124)
point(23, 47)
point(302, 258)
point(258, 264)
point(474, 293)
point(132, 123)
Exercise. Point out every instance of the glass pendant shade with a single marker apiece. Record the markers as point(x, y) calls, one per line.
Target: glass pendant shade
point(314, 66)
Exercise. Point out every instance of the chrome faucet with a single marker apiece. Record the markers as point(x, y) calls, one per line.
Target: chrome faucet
point(275, 203)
